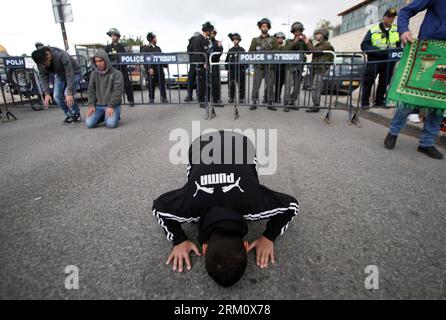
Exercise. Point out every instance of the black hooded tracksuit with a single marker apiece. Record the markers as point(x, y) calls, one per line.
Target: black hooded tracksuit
point(223, 197)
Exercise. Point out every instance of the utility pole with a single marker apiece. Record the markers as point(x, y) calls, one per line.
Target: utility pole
point(62, 25)
point(62, 13)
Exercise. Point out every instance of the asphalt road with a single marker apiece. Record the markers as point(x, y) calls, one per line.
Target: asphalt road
point(72, 196)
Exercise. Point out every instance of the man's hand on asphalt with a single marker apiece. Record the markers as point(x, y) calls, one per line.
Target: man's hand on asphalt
point(48, 100)
point(91, 111)
point(69, 100)
point(181, 253)
point(109, 112)
point(264, 251)
point(406, 37)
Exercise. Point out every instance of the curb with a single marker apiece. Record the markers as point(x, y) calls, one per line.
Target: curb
point(410, 129)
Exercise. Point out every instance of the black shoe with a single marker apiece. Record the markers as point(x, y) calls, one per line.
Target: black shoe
point(68, 120)
point(390, 141)
point(242, 101)
point(231, 100)
point(188, 99)
point(76, 118)
point(151, 101)
point(165, 100)
point(431, 152)
point(203, 105)
point(252, 107)
point(131, 103)
point(286, 109)
point(312, 110)
point(272, 108)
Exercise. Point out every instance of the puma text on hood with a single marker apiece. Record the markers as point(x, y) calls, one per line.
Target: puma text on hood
point(105, 88)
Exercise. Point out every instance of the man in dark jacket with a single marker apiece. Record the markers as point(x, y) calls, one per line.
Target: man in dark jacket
point(223, 193)
point(200, 45)
point(191, 74)
point(51, 60)
point(112, 49)
point(216, 47)
point(237, 71)
point(105, 90)
point(433, 27)
point(377, 42)
point(155, 73)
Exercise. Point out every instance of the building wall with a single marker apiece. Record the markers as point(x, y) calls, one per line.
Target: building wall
point(351, 41)
point(368, 13)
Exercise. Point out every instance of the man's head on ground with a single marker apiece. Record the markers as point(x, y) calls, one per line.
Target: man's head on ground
point(280, 37)
point(114, 34)
point(221, 233)
point(151, 37)
point(264, 26)
point(389, 17)
point(207, 28)
point(235, 38)
point(42, 57)
point(226, 257)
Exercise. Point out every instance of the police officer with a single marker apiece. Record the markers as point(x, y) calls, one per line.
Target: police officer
point(216, 46)
point(279, 68)
point(263, 72)
point(112, 49)
point(293, 73)
point(199, 45)
point(191, 74)
point(237, 71)
point(155, 73)
point(320, 64)
point(376, 44)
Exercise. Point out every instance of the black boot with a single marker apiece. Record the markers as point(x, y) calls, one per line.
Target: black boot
point(431, 152)
point(390, 141)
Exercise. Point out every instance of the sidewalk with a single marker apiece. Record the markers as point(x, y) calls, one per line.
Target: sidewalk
point(384, 116)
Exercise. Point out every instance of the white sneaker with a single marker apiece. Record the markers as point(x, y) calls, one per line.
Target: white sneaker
point(414, 118)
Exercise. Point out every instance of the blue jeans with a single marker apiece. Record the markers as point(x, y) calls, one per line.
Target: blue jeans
point(60, 91)
point(100, 116)
point(431, 127)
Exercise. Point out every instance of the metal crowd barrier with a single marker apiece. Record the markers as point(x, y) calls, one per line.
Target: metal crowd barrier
point(284, 80)
point(165, 78)
point(20, 82)
point(291, 80)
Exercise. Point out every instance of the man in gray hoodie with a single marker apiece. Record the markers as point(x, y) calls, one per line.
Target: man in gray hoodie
point(105, 91)
point(51, 60)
